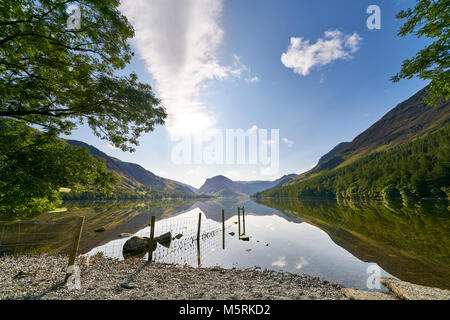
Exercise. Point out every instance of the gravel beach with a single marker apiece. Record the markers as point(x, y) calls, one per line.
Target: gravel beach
point(40, 277)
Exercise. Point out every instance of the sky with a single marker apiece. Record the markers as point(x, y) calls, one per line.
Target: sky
point(309, 74)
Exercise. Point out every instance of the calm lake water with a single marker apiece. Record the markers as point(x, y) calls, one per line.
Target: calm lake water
point(338, 242)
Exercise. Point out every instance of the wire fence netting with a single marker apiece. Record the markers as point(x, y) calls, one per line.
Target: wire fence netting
point(179, 238)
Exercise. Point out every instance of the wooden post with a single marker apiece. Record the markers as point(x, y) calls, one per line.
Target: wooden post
point(75, 245)
point(239, 222)
point(243, 218)
point(198, 253)
point(199, 224)
point(223, 229)
point(198, 237)
point(151, 239)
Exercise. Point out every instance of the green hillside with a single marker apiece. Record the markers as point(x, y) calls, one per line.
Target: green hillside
point(409, 120)
point(418, 168)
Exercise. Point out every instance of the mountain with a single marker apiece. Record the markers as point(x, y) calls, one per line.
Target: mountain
point(406, 151)
point(410, 119)
point(133, 175)
point(191, 188)
point(225, 187)
point(333, 152)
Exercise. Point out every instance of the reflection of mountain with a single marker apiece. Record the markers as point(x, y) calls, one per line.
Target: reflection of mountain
point(411, 244)
point(116, 216)
point(213, 209)
point(224, 187)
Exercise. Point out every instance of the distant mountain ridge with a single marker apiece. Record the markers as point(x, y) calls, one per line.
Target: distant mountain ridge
point(225, 187)
point(410, 119)
point(133, 175)
point(404, 154)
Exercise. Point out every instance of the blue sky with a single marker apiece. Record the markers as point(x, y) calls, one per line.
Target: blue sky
point(217, 64)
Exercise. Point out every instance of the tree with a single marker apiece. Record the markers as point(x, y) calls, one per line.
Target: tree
point(430, 18)
point(34, 165)
point(56, 77)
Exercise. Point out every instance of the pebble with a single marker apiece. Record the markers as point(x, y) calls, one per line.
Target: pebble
point(136, 279)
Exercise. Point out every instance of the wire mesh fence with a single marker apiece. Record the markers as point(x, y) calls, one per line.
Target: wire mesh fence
point(184, 239)
point(19, 237)
point(180, 243)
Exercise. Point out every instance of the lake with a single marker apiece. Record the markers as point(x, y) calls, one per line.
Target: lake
point(339, 242)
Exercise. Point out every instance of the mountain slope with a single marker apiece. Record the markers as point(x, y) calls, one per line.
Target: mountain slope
point(410, 119)
point(225, 187)
point(133, 175)
point(333, 152)
point(406, 152)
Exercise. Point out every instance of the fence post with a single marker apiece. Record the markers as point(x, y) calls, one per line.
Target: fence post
point(239, 222)
point(198, 253)
point(199, 225)
point(243, 218)
point(150, 240)
point(198, 237)
point(223, 229)
point(75, 245)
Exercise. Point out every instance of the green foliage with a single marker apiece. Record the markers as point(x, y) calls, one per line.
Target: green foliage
point(56, 77)
point(411, 243)
point(419, 168)
point(128, 194)
point(34, 165)
point(430, 18)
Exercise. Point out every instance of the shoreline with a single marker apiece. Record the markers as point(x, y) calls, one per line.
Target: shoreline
point(40, 277)
point(36, 277)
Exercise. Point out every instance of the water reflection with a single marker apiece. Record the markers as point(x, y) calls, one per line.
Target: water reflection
point(409, 241)
point(335, 241)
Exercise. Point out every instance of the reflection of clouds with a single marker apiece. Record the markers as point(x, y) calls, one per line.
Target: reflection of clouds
point(270, 227)
point(302, 263)
point(280, 262)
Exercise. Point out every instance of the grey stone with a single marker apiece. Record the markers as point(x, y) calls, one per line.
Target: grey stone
point(164, 239)
point(137, 246)
point(354, 294)
point(124, 235)
point(408, 291)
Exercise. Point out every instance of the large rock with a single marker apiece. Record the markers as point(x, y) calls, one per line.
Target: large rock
point(354, 294)
point(164, 239)
point(137, 245)
point(408, 291)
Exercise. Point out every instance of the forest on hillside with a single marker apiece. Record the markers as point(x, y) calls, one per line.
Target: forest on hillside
point(416, 169)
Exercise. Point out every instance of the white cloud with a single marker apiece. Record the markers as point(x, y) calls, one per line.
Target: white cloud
point(288, 142)
point(179, 40)
point(254, 79)
point(280, 262)
point(303, 56)
point(301, 263)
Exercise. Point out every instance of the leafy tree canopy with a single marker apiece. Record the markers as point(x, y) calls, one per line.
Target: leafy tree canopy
point(56, 77)
point(430, 18)
point(34, 165)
